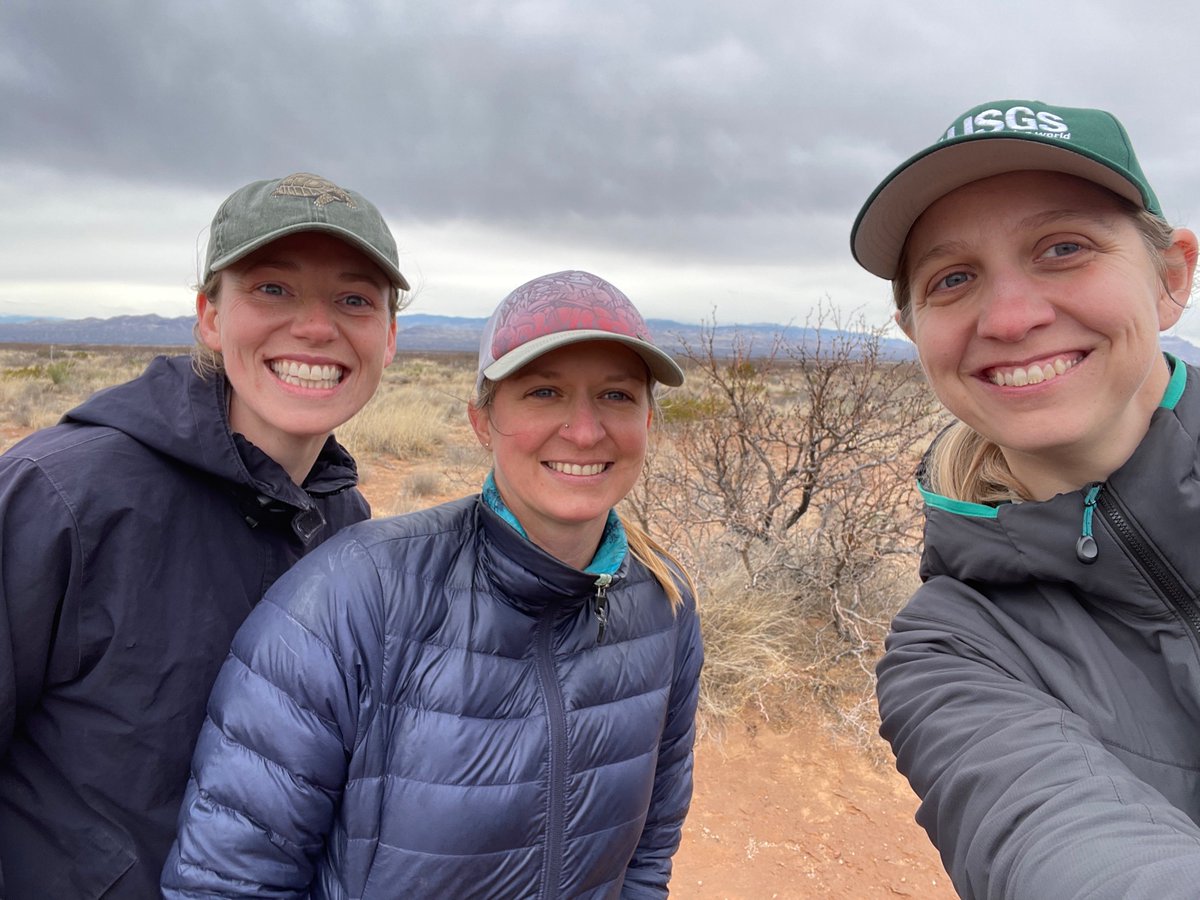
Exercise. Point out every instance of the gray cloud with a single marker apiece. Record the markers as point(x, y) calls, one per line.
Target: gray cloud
point(699, 133)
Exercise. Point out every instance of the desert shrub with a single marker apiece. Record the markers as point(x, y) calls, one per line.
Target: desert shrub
point(793, 467)
point(24, 373)
point(59, 372)
point(690, 408)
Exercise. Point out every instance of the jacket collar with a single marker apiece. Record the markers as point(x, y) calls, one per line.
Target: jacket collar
point(526, 575)
point(1015, 543)
point(180, 415)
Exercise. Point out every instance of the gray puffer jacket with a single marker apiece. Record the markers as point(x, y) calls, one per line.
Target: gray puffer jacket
point(425, 708)
point(1047, 709)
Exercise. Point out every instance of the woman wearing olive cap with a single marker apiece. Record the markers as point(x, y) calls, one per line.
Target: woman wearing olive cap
point(1041, 690)
point(136, 535)
point(493, 698)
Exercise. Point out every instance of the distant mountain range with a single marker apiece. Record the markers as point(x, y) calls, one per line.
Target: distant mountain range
point(415, 331)
point(418, 331)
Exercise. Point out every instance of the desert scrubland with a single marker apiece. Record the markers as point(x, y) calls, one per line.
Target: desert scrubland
point(783, 478)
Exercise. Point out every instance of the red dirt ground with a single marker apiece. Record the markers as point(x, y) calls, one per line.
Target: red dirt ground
point(801, 815)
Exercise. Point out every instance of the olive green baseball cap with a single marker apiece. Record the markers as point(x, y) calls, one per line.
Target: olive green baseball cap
point(264, 211)
point(993, 139)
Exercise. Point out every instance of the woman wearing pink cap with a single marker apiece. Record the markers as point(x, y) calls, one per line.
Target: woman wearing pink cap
point(491, 698)
point(1041, 690)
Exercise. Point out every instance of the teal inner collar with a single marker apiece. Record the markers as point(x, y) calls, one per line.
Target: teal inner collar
point(613, 542)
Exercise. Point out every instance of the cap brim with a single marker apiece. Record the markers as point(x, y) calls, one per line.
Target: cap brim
point(882, 226)
point(349, 237)
point(662, 367)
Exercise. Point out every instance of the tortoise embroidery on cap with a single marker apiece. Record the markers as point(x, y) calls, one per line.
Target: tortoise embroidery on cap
point(304, 185)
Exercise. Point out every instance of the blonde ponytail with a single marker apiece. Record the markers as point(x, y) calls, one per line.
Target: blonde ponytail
point(964, 465)
point(667, 570)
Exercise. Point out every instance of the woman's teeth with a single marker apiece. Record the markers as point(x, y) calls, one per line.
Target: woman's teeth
point(1021, 376)
point(573, 469)
point(303, 375)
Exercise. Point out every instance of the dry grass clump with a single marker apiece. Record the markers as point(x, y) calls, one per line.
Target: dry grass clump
point(419, 490)
point(748, 648)
point(423, 484)
point(401, 421)
point(419, 400)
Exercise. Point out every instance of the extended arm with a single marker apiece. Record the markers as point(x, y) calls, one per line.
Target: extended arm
point(1021, 798)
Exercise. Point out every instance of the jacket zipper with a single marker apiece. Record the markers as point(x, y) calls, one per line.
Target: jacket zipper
point(556, 721)
point(1156, 568)
point(600, 604)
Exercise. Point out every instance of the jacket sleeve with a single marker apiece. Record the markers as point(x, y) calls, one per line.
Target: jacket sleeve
point(271, 761)
point(40, 563)
point(1021, 799)
point(649, 870)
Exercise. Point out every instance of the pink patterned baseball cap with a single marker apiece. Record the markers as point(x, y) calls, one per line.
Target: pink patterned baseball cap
point(560, 309)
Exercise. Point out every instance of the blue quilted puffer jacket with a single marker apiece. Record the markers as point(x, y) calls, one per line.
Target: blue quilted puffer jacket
point(425, 707)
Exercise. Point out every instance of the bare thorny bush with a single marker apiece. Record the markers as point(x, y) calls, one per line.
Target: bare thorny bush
point(783, 478)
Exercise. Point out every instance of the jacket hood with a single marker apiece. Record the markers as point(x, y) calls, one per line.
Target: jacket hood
point(196, 432)
point(1157, 490)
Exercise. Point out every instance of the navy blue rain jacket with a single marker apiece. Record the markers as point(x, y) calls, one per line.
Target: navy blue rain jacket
point(424, 708)
point(135, 537)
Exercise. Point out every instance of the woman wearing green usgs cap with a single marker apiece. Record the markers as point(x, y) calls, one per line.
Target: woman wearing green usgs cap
point(1041, 690)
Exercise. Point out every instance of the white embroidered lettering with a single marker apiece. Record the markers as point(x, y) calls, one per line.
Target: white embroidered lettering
point(1048, 121)
point(1020, 118)
point(990, 120)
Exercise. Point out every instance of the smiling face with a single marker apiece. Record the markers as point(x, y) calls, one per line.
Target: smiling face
point(1035, 307)
point(305, 331)
point(568, 433)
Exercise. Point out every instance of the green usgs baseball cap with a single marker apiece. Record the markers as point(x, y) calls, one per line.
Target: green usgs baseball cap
point(264, 211)
point(992, 139)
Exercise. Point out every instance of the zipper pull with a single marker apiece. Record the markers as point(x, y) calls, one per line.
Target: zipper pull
point(600, 604)
point(1086, 549)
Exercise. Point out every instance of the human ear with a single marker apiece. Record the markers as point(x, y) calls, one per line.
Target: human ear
point(390, 353)
point(206, 323)
point(1180, 262)
point(481, 424)
point(905, 322)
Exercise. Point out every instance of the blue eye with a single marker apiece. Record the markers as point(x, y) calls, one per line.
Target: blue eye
point(276, 290)
point(953, 280)
point(357, 300)
point(1063, 248)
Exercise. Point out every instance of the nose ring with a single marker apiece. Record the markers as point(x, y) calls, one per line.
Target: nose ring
point(566, 425)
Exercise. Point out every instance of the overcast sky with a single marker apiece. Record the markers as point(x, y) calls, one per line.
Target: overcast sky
point(707, 157)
